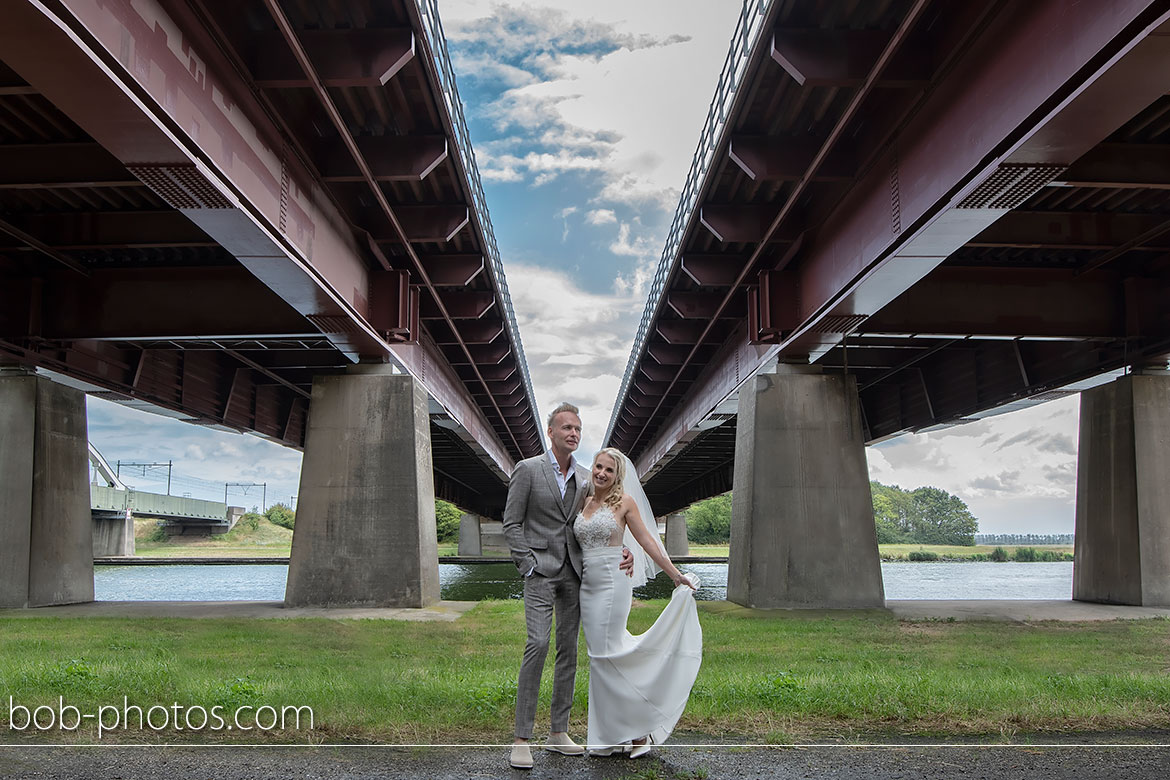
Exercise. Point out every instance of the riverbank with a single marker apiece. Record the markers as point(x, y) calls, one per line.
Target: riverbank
point(766, 678)
point(271, 541)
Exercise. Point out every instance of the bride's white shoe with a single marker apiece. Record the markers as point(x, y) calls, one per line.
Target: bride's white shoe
point(640, 750)
point(612, 750)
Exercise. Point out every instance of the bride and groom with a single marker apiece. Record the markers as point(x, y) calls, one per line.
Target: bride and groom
point(582, 539)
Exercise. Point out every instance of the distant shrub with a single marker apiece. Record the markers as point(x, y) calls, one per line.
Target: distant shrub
point(922, 555)
point(282, 515)
point(999, 555)
point(709, 522)
point(1025, 555)
point(447, 517)
point(977, 557)
point(249, 520)
point(159, 534)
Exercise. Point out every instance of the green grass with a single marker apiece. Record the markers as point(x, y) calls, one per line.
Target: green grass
point(266, 540)
point(892, 552)
point(764, 678)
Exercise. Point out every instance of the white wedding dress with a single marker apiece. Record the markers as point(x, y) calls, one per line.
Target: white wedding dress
point(638, 685)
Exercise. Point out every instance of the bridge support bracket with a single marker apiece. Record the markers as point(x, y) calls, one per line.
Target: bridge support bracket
point(46, 545)
point(802, 532)
point(1122, 526)
point(365, 530)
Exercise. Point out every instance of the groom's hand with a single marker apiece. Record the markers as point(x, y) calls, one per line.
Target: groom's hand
point(627, 564)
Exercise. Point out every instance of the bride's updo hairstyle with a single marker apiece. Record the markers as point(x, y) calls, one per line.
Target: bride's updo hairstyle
point(614, 499)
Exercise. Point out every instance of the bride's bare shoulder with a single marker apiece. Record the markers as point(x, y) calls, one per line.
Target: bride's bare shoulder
point(628, 505)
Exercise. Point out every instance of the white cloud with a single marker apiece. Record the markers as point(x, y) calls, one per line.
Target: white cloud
point(576, 343)
point(601, 217)
point(1016, 471)
point(606, 79)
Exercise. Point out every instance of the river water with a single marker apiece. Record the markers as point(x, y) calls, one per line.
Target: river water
point(472, 582)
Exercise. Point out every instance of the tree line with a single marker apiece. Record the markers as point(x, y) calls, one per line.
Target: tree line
point(927, 515)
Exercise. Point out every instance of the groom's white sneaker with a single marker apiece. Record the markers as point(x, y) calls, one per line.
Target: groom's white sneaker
point(521, 757)
point(562, 743)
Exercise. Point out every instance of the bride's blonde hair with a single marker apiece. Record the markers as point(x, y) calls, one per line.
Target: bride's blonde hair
point(617, 491)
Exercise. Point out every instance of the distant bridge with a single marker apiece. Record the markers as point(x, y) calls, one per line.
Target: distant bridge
point(113, 506)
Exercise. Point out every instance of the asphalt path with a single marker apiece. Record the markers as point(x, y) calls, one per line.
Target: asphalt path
point(878, 762)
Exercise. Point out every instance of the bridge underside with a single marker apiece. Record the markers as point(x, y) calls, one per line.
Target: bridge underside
point(961, 219)
point(205, 205)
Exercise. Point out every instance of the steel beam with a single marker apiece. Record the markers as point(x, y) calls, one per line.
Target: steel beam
point(1007, 303)
point(147, 304)
point(843, 58)
point(680, 331)
point(712, 270)
point(1069, 230)
point(452, 270)
point(460, 304)
point(60, 166)
point(1120, 166)
point(786, 158)
point(731, 223)
point(343, 58)
point(436, 223)
point(391, 158)
point(100, 230)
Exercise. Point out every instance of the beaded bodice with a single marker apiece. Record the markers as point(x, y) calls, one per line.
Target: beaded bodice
point(598, 530)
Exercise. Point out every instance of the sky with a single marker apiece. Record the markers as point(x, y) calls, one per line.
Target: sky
point(584, 118)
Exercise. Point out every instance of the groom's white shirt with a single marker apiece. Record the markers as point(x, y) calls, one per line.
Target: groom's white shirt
point(562, 480)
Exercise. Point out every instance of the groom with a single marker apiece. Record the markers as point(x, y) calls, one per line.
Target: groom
point(544, 496)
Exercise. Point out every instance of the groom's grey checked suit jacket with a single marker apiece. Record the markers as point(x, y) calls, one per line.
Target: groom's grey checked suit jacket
point(537, 523)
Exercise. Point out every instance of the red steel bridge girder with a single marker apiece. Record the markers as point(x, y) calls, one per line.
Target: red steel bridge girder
point(1021, 96)
point(147, 81)
point(1042, 85)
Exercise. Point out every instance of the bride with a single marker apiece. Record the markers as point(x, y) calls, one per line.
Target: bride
point(638, 685)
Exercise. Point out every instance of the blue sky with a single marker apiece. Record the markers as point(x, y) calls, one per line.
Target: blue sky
point(584, 118)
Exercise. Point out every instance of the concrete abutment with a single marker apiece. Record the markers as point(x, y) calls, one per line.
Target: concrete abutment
point(365, 530)
point(802, 531)
point(1123, 493)
point(676, 534)
point(46, 543)
point(470, 542)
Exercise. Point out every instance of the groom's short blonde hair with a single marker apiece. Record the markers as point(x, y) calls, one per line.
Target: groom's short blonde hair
point(564, 407)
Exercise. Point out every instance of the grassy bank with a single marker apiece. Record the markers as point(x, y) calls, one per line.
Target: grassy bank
point(764, 678)
point(272, 540)
point(244, 541)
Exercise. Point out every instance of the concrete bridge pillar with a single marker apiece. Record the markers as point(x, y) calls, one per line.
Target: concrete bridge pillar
point(113, 536)
point(676, 535)
point(365, 531)
point(1123, 493)
point(802, 532)
point(491, 536)
point(469, 540)
point(46, 546)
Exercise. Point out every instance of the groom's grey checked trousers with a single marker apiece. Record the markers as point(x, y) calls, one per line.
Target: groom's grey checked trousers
point(542, 596)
